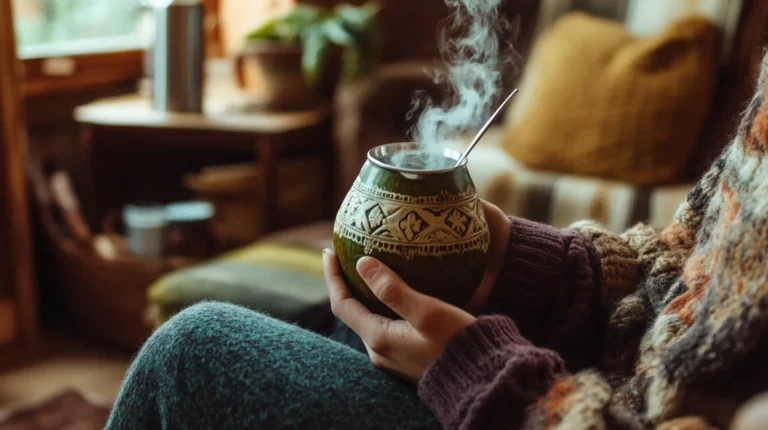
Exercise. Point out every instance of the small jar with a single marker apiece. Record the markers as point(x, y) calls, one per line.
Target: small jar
point(188, 232)
point(145, 230)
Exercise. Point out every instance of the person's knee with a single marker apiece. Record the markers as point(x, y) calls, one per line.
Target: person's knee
point(203, 314)
point(206, 320)
point(196, 326)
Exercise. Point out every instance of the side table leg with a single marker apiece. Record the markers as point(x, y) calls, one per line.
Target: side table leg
point(266, 150)
point(86, 167)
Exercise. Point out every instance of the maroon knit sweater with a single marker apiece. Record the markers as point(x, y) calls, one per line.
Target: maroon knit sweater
point(546, 295)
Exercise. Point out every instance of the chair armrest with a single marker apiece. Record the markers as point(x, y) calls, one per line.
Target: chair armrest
point(496, 176)
point(560, 200)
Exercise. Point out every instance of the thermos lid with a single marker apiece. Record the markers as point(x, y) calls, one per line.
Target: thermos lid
point(144, 215)
point(191, 211)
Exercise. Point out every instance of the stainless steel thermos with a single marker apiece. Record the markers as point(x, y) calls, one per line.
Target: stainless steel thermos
point(177, 55)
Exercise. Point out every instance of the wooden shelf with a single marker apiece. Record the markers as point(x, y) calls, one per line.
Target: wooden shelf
point(227, 109)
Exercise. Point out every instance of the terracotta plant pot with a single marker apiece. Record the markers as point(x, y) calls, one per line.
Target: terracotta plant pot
point(426, 225)
point(273, 70)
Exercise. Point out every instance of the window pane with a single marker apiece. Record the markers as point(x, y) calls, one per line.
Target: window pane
point(43, 26)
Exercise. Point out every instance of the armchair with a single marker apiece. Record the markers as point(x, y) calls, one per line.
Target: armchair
point(373, 112)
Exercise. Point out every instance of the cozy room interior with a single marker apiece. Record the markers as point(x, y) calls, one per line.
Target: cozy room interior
point(251, 184)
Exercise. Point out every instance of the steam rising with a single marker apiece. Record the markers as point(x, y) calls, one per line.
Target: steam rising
point(475, 60)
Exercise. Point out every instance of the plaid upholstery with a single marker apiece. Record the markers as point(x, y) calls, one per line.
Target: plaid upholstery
point(560, 200)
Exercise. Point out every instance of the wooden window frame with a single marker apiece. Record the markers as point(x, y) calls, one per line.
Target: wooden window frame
point(79, 72)
point(43, 75)
point(67, 70)
point(65, 67)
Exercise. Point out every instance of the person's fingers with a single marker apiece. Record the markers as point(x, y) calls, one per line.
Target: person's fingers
point(372, 328)
point(390, 365)
point(389, 287)
point(499, 228)
point(337, 288)
point(498, 225)
point(342, 303)
point(420, 310)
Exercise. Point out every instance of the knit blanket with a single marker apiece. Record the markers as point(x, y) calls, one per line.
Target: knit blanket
point(687, 306)
point(661, 328)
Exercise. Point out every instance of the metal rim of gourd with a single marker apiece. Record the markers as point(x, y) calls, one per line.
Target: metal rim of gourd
point(377, 154)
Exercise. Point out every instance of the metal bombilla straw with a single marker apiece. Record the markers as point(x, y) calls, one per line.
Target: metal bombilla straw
point(483, 130)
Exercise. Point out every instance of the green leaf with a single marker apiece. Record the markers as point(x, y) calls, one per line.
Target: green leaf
point(351, 27)
point(315, 45)
point(337, 33)
point(358, 19)
point(358, 62)
point(265, 32)
point(306, 13)
point(288, 27)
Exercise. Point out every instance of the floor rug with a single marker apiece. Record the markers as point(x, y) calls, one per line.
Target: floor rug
point(67, 410)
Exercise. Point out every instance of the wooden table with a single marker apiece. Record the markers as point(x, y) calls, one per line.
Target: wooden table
point(227, 110)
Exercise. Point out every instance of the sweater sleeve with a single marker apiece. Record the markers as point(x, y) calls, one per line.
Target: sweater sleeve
point(549, 285)
point(488, 376)
point(546, 316)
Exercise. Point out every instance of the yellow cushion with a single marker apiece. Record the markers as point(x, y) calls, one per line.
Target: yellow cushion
point(598, 101)
point(286, 257)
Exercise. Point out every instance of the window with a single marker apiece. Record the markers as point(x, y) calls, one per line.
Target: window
point(70, 45)
point(67, 27)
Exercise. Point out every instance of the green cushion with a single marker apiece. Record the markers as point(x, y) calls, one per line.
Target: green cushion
point(285, 282)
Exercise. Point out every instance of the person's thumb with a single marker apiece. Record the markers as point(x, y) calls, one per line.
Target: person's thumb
point(390, 288)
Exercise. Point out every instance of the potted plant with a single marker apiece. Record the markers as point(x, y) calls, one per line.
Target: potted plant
point(290, 58)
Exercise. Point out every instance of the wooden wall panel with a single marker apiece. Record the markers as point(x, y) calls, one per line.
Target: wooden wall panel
point(8, 323)
point(16, 271)
point(736, 84)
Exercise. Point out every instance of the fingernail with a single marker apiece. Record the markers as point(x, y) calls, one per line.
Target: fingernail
point(367, 267)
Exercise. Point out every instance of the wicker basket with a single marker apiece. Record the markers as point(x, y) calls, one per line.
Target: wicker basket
point(106, 298)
